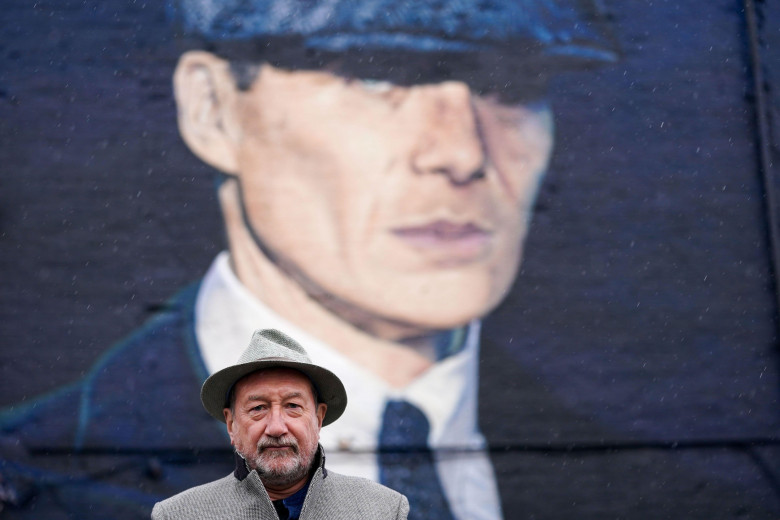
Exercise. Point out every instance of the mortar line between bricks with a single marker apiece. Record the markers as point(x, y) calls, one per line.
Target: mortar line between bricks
point(218, 453)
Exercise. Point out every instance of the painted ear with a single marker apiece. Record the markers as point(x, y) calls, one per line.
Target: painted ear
point(206, 94)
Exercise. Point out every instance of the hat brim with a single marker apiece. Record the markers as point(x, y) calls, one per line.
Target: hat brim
point(214, 392)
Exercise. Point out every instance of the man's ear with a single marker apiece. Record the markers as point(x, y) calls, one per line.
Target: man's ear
point(206, 96)
point(229, 422)
point(321, 409)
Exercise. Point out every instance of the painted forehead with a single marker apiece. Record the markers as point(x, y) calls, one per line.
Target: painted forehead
point(509, 86)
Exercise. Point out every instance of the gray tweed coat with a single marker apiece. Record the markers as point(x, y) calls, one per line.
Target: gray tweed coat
point(241, 495)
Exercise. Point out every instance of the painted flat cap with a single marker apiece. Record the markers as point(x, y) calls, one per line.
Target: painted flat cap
point(270, 348)
point(560, 26)
point(567, 31)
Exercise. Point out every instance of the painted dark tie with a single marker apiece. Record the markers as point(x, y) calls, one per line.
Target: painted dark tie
point(406, 463)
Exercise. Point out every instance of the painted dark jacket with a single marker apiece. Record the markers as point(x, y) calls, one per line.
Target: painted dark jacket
point(134, 422)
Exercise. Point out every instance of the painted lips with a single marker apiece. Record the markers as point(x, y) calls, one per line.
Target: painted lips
point(459, 241)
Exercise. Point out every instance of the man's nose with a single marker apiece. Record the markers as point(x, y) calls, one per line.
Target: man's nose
point(450, 142)
point(276, 425)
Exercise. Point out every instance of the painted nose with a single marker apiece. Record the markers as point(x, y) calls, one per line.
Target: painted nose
point(450, 142)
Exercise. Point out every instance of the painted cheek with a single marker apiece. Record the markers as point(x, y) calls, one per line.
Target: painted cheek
point(506, 158)
point(520, 155)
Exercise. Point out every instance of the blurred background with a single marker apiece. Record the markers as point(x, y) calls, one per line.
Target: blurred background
point(647, 301)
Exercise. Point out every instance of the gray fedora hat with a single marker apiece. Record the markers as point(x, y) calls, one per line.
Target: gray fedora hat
point(270, 348)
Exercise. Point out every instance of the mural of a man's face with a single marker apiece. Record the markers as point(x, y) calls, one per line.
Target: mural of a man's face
point(408, 203)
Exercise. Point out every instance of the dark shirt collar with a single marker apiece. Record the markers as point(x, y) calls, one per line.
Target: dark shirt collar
point(293, 504)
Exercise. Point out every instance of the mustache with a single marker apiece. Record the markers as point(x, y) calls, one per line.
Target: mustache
point(280, 442)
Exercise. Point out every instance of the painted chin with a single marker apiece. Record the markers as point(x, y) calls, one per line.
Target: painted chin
point(446, 243)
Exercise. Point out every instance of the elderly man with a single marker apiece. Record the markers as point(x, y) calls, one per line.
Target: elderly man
point(379, 164)
point(274, 402)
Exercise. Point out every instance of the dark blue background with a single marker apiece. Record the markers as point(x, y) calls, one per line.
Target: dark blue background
point(645, 305)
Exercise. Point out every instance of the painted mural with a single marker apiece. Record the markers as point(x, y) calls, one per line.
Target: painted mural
point(520, 225)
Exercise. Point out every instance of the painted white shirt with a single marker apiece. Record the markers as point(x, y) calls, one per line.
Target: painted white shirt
point(226, 315)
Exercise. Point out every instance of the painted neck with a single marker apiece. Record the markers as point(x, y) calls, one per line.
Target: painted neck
point(369, 340)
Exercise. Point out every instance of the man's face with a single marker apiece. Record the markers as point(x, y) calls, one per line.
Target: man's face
point(274, 424)
point(408, 203)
